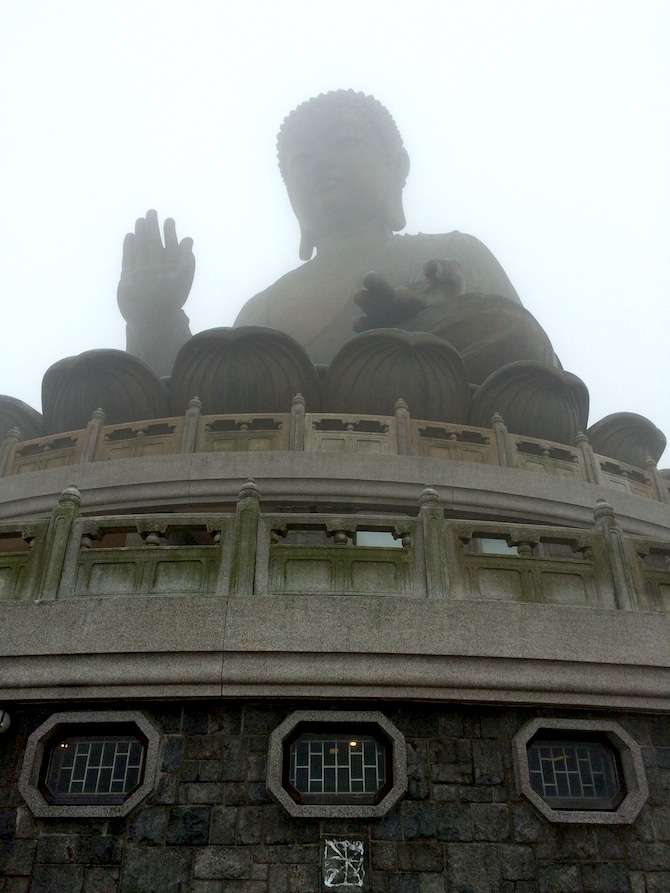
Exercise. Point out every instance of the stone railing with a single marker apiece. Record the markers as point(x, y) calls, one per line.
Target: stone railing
point(255, 554)
point(398, 435)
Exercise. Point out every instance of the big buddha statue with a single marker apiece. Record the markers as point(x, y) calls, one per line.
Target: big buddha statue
point(344, 165)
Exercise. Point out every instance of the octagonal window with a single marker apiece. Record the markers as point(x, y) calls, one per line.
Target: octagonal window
point(327, 766)
point(569, 772)
point(90, 764)
point(80, 766)
point(337, 763)
point(580, 770)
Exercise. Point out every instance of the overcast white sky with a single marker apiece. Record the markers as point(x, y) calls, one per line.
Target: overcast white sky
point(541, 127)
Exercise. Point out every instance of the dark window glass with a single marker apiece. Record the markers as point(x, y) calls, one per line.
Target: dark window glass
point(575, 774)
point(337, 766)
point(94, 768)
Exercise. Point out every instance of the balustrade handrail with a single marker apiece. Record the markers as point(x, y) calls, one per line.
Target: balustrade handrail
point(246, 552)
point(298, 430)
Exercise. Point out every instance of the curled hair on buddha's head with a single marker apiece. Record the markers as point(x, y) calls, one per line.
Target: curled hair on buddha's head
point(380, 120)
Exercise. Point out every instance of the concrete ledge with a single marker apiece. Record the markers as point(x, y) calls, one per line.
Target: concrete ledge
point(212, 481)
point(347, 647)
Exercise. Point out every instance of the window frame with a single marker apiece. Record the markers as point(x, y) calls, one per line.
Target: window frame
point(628, 758)
point(33, 780)
point(336, 722)
point(353, 730)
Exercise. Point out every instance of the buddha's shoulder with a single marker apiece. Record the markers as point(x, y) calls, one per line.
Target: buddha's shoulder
point(455, 240)
point(258, 310)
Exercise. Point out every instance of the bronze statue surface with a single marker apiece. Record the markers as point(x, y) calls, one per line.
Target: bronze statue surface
point(345, 167)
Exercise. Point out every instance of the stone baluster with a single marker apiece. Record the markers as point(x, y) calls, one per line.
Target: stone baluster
point(191, 422)
point(296, 435)
point(659, 483)
point(593, 472)
point(434, 550)
point(501, 440)
point(608, 526)
point(58, 536)
point(342, 533)
point(7, 450)
point(247, 514)
point(92, 436)
point(403, 428)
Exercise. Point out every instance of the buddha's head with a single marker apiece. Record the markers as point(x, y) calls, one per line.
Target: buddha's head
point(344, 165)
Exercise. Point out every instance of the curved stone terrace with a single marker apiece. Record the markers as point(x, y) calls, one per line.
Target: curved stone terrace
point(349, 434)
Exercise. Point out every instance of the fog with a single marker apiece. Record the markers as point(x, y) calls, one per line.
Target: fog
point(539, 127)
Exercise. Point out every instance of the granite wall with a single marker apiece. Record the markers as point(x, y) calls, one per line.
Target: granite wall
point(210, 826)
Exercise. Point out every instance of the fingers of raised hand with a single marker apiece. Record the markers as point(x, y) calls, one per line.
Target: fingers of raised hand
point(170, 233)
point(153, 245)
point(128, 256)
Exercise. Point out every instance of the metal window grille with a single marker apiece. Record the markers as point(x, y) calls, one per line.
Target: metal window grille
point(95, 766)
point(575, 774)
point(337, 765)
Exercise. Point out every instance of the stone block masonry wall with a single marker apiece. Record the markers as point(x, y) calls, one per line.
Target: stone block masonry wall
point(210, 826)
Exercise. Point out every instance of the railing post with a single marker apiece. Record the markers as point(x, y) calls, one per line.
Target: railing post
point(191, 422)
point(92, 435)
point(243, 569)
point(58, 537)
point(7, 450)
point(593, 474)
point(434, 552)
point(403, 428)
point(607, 525)
point(502, 443)
point(660, 484)
point(296, 434)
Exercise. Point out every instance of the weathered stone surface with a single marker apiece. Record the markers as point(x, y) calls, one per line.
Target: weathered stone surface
point(374, 370)
point(125, 388)
point(156, 871)
point(101, 879)
point(421, 856)
point(418, 819)
point(188, 826)
point(517, 862)
point(249, 369)
point(488, 763)
point(14, 413)
point(16, 857)
point(490, 821)
point(58, 848)
point(454, 822)
point(605, 877)
point(223, 862)
point(474, 867)
point(53, 878)
point(534, 400)
point(627, 437)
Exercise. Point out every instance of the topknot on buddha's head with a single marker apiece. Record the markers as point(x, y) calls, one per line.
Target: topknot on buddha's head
point(328, 105)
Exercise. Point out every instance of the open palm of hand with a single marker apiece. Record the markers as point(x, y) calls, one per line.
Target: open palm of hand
point(156, 278)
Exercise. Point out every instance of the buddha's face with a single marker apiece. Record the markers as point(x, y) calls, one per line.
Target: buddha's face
point(338, 172)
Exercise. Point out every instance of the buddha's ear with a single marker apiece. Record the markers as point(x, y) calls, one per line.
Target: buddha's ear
point(401, 163)
point(306, 245)
point(395, 214)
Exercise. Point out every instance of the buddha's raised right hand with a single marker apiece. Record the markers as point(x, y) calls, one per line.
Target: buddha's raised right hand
point(156, 278)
